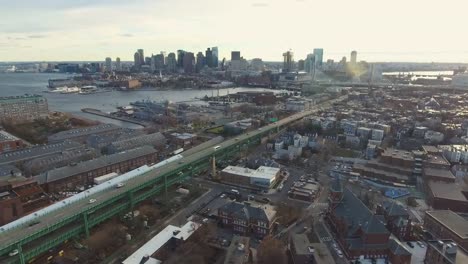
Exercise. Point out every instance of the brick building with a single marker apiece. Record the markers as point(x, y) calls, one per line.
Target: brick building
point(304, 252)
point(9, 142)
point(358, 231)
point(445, 252)
point(83, 173)
point(445, 224)
point(20, 197)
point(247, 219)
point(397, 219)
point(447, 195)
point(393, 166)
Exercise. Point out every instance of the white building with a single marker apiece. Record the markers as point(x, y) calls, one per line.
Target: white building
point(170, 232)
point(460, 80)
point(263, 176)
point(298, 105)
point(434, 136)
point(455, 153)
point(377, 134)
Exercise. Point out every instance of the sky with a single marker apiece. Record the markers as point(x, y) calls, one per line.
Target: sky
point(90, 30)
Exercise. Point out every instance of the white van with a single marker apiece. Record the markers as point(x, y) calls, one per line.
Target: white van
point(234, 191)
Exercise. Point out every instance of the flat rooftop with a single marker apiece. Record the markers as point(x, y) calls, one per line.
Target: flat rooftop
point(450, 191)
point(262, 172)
point(400, 154)
point(440, 173)
point(431, 149)
point(437, 159)
point(452, 221)
point(160, 240)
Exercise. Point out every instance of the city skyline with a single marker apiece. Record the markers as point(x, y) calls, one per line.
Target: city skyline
point(92, 30)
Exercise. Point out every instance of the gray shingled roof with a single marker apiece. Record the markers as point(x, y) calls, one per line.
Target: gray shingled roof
point(245, 211)
point(68, 171)
point(398, 248)
point(394, 209)
point(36, 151)
point(357, 215)
point(73, 133)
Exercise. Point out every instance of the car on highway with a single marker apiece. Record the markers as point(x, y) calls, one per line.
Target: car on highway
point(92, 201)
point(120, 185)
point(13, 253)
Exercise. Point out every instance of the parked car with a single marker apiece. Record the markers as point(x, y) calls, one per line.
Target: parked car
point(119, 185)
point(410, 244)
point(13, 253)
point(92, 201)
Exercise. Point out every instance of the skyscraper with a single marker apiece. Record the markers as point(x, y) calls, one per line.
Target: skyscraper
point(180, 58)
point(108, 64)
point(159, 61)
point(353, 57)
point(318, 53)
point(136, 60)
point(171, 62)
point(200, 61)
point(118, 65)
point(288, 61)
point(209, 57)
point(142, 56)
point(309, 63)
point(215, 57)
point(300, 65)
point(189, 62)
point(235, 55)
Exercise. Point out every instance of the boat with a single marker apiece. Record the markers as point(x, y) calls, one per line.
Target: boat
point(65, 90)
point(90, 89)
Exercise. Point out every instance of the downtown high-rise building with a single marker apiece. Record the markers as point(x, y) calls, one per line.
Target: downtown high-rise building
point(353, 57)
point(180, 58)
point(171, 62)
point(142, 56)
point(108, 64)
point(288, 61)
point(157, 62)
point(209, 57)
point(118, 65)
point(215, 57)
point(318, 53)
point(200, 61)
point(189, 62)
point(235, 55)
point(310, 63)
point(136, 60)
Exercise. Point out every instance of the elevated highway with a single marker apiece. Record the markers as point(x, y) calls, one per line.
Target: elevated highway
point(78, 218)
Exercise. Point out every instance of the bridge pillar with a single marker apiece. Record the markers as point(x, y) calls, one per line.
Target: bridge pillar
point(86, 224)
point(20, 254)
point(165, 186)
point(131, 201)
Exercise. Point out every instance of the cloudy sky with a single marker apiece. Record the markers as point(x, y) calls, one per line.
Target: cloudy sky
point(397, 30)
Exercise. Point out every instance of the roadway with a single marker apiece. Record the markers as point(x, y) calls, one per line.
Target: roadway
point(14, 236)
